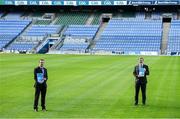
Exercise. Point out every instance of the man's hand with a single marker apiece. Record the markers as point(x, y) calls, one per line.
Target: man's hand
point(140, 76)
point(137, 80)
point(44, 78)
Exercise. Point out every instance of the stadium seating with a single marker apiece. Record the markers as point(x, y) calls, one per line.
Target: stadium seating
point(156, 15)
point(5, 39)
point(1, 14)
point(29, 40)
point(10, 29)
point(87, 31)
point(131, 36)
point(174, 37)
point(175, 16)
point(13, 16)
point(96, 19)
point(22, 46)
point(140, 15)
point(125, 32)
point(76, 18)
point(43, 30)
point(78, 37)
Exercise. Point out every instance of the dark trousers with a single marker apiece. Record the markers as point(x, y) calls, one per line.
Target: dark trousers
point(40, 89)
point(140, 84)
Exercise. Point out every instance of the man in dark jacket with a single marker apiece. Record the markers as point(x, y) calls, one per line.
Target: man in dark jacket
point(140, 72)
point(40, 77)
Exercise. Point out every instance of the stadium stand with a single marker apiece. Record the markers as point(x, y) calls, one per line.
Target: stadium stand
point(140, 15)
point(128, 14)
point(131, 36)
point(78, 37)
point(13, 16)
point(156, 15)
point(10, 29)
point(5, 39)
point(1, 14)
point(96, 19)
point(43, 30)
point(37, 14)
point(159, 15)
point(119, 30)
point(42, 22)
point(22, 46)
point(175, 16)
point(75, 18)
point(33, 37)
point(87, 31)
point(174, 37)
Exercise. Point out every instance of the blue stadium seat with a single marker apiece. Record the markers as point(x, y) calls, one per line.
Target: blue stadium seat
point(78, 34)
point(131, 35)
point(174, 37)
point(10, 29)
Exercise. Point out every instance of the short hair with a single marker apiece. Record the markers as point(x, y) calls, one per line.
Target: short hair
point(141, 58)
point(41, 60)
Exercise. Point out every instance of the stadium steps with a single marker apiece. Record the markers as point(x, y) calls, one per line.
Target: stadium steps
point(166, 27)
point(90, 19)
point(41, 45)
point(37, 47)
point(54, 21)
point(59, 42)
point(97, 36)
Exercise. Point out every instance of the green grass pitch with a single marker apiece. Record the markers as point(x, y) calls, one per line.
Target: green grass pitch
point(89, 87)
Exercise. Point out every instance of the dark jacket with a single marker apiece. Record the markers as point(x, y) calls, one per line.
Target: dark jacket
point(136, 72)
point(39, 70)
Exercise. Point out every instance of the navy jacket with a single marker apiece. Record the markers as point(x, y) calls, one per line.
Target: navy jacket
point(136, 72)
point(39, 70)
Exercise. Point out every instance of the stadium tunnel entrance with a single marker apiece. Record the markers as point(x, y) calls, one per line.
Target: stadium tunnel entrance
point(106, 17)
point(167, 19)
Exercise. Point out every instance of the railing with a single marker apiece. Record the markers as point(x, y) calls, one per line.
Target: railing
point(40, 45)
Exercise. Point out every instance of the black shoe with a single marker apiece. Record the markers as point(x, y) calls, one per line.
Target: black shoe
point(44, 110)
point(35, 110)
point(135, 103)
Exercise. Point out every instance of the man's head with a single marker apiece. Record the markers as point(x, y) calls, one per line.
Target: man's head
point(41, 62)
point(141, 60)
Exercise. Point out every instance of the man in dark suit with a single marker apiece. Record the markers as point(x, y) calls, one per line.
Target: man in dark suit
point(40, 77)
point(140, 72)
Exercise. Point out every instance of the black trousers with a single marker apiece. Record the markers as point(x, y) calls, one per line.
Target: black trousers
point(140, 84)
point(40, 89)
